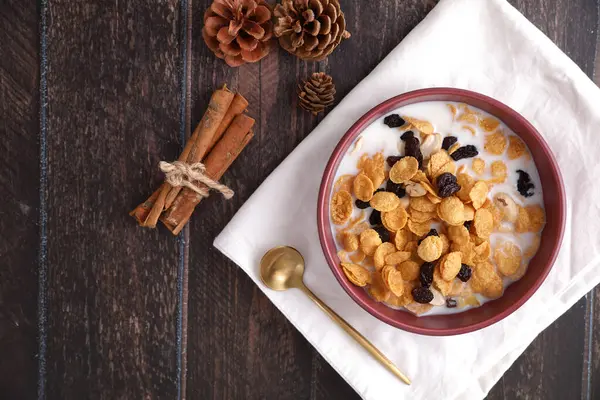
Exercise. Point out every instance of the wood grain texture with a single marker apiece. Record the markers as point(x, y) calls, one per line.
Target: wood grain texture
point(239, 346)
point(113, 113)
point(19, 177)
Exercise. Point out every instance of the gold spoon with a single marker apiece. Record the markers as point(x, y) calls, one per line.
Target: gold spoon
point(282, 268)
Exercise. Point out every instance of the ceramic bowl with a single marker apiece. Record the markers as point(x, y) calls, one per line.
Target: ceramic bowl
point(517, 293)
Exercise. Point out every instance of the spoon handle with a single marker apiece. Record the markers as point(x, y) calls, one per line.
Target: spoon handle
point(357, 336)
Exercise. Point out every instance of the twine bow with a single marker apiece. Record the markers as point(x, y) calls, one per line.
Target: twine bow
point(181, 174)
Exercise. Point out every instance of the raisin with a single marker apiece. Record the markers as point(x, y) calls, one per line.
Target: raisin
point(362, 204)
point(391, 160)
point(468, 224)
point(394, 121)
point(524, 184)
point(379, 190)
point(407, 135)
point(383, 233)
point(467, 151)
point(448, 142)
point(447, 185)
point(426, 274)
point(375, 218)
point(396, 188)
point(412, 148)
point(465, 273)
point(432, 232)
point(422, 295)
point(451, 303)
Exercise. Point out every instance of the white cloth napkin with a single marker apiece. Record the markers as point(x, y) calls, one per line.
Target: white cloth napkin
point(485, 46)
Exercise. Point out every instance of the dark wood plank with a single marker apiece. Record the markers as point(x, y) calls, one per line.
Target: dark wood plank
point(230, 354)
point(19, 186)
point(113, 113)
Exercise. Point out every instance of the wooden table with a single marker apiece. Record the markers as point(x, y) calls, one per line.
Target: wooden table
point(92, 95)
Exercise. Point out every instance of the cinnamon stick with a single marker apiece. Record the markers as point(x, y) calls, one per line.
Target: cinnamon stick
point(218, 161)
point(197, 146)
point(238, 106)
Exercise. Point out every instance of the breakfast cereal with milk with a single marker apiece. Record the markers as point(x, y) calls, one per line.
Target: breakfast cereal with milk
point(436, 208)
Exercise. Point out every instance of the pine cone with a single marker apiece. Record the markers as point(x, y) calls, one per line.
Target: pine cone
point(310, 29)
point(317, 93)
point(238, 30)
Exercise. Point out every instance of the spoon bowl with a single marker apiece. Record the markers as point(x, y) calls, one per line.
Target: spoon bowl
point(282, 268)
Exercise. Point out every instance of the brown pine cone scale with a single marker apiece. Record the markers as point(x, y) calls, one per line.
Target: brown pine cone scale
point(238, 31)
point(310, 29)
point(317, 93)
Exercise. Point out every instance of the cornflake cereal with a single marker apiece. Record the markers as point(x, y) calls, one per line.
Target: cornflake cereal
point(363, 187)
point(495, 143)
point(385, 201)
point(404, 170)
point(478, 166)
point(430, 249)
point(341, 207)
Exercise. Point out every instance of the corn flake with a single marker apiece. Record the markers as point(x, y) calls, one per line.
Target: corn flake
point(349, 241)
point(384, 201)
point(499, 171)
point(451, 210)
point(356, 274)
point(478, 194)
point(403, 236)
point(394, 282)
point(395, 219)
point(419, 229)
point(357, 257)
point(483, 251)
point(453, 110)
point(363, 187)
point(437, 161)
point(382, 250)
point(378, 291)
point(470, 129)
point(422, 204)
point(423, 126)
point(459, 234)
point(344, 182)
point(445, 243)
point(397, 257)
point(486, 281)
point(466, 183)
point(453, 148)
point(478, 165)
point(369, 241)
point(410, 270)
point(422, 217)
point(508, 258)
point(533, 248)
point(450, 265)
point(341, 207)
point(495, 143)
point(466, 251)
point(439, 283)
point(430, 248)
point(404, 170)
point(483, 223)
point(489, 124)
point(516, 147)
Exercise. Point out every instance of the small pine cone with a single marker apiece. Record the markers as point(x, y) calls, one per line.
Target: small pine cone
point(310, 29)
point(317, 93)
point(238, 31)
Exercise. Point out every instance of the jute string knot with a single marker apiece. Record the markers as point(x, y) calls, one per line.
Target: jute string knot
point(182, 174)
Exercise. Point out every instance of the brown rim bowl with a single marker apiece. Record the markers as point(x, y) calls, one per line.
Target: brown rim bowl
point(517, 293)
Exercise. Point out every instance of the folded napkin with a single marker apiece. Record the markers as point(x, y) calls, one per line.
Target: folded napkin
point(488, 47)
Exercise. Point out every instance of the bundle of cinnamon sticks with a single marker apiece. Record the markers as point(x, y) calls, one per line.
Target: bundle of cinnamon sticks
point(220, 137)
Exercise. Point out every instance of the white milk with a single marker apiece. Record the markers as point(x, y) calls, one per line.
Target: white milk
point(378, 137)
